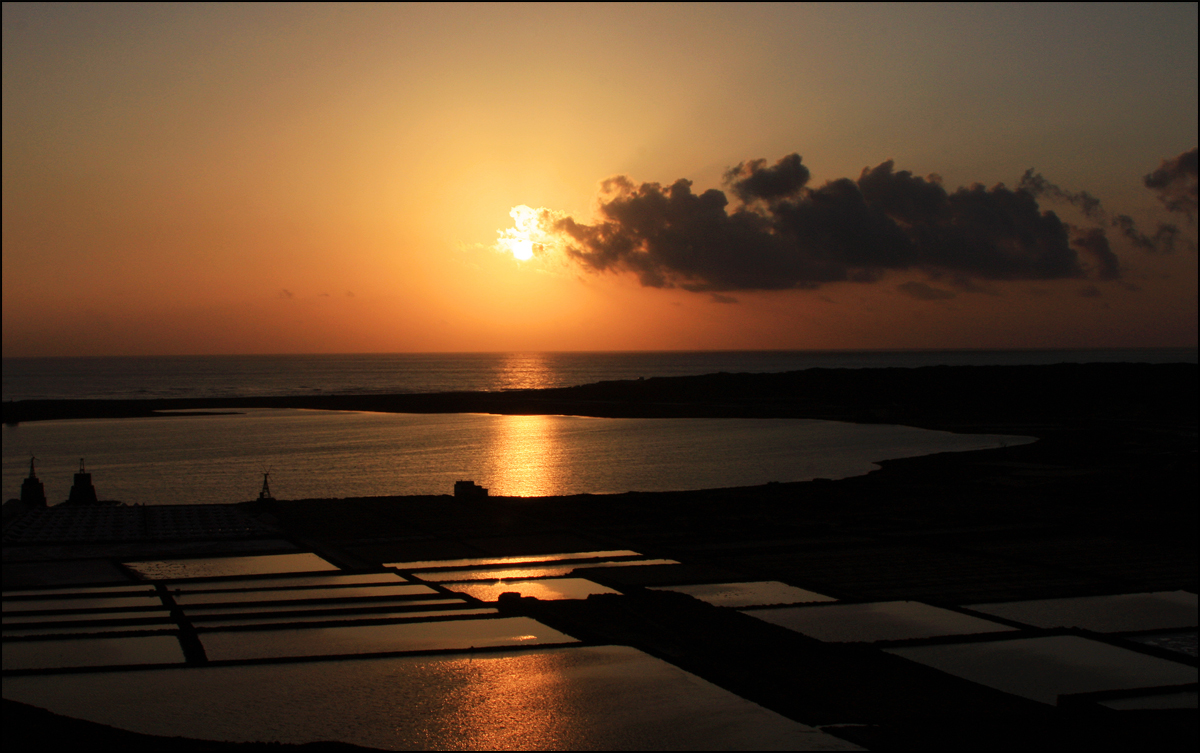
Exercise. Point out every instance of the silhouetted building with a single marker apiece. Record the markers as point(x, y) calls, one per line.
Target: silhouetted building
point(33, 493)
point(82, 491)
point(469, 490)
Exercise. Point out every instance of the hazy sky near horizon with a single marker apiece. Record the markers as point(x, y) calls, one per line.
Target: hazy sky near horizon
point(273, 178)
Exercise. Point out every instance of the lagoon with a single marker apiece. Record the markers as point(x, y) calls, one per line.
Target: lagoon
point(217, 459)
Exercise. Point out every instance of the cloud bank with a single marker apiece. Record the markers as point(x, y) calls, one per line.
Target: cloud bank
point(781, 233)
point(1175, 183)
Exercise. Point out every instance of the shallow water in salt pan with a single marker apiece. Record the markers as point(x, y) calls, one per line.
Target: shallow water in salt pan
point(510, 561)
point(344, 618)
point(880, 621)
point(367, 639)
point(212, 567)
point(1044, 668)
point(353, 592)
point(116, 602)
point(1103, 614)
point(548, 589)
point(532, 571)
point(748, 594)
point(297, 581)
point(90, 652)
point(580, 698)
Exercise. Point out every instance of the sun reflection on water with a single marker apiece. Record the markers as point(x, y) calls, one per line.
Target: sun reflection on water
point(508, 704)
point(525, 457)
point(525, 371)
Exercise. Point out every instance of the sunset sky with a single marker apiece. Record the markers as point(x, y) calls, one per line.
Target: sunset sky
point(211, 179)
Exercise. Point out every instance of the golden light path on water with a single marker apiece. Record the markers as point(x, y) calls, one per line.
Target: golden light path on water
point(524, 456)
point(580, 698)
point(525, 371)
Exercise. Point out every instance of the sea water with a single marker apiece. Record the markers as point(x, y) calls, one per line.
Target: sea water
point(218, 459)
point(335, 454)
point(387, 373)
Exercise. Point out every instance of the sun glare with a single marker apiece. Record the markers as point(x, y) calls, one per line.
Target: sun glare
point(527, 237)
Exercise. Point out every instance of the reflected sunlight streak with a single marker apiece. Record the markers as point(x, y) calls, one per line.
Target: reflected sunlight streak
point(525, 371)
point(510, 704)
point(524, 459)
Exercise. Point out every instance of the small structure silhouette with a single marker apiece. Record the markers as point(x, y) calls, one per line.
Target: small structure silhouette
point(82, 491)
point(33, 493)
point(265, 494)
point(469, 490)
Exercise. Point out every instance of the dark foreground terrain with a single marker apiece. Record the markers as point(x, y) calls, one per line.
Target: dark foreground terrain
point(1103, 503)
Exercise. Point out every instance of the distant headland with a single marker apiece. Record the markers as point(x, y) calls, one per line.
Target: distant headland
point(954, 398)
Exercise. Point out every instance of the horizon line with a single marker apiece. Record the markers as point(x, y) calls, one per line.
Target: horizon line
point(1032, 349)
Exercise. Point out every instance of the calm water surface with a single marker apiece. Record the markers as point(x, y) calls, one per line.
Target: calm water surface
point(380, 373)
point(585, 698)
point(326, 454)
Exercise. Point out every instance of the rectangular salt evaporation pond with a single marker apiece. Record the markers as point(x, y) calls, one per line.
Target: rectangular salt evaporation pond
point(212, 567)
point(535, 571)
point(509, 561)
point(69, 628)
point(881, 621)
point(129, 589)
point(25, 617)
point(750, 594)
point(91, 652)
point(1183, 641)
point(546, 589)
point(368, 639)
point(576, 698)
point(293, 618)
point(114, 602)
point(1102, 614)
point(210, 611)
point(353, 592)
point(1044, 668)
point(200, 611)
point(297, 581)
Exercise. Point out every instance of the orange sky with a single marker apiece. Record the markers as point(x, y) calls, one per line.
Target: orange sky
point(206, 179)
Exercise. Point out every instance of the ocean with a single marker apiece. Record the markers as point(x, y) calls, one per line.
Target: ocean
point(317, 454)
point(228, 376)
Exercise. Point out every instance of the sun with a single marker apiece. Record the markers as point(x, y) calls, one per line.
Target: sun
point(527, 237)
point(523, 250)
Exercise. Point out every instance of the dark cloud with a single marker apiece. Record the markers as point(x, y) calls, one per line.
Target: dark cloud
point(923, 292)
point(754, 180)
point(1165, 239)
point(1034, 184)
point(1175, 183)
point(967, 285)
point(784, 234)
point(1094, 243)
